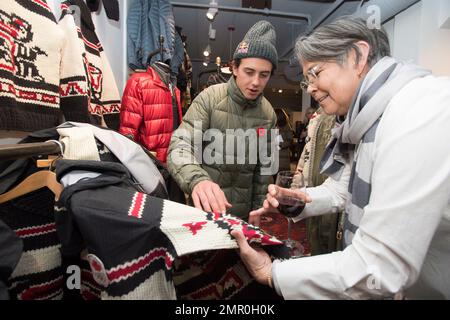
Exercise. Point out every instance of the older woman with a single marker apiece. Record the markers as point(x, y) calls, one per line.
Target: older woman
point(388, 165)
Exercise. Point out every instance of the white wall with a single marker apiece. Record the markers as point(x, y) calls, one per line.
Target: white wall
point(422, 34)
point(444, 14)
point(434, 39)
point(112, 35)
point(407, 33)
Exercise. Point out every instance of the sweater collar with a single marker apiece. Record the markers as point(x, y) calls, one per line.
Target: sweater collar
point(237, 96)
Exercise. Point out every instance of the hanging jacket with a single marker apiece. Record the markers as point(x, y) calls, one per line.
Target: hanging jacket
point(146, 21)
point(111, 8)
point(10, 251)
point(147, 113)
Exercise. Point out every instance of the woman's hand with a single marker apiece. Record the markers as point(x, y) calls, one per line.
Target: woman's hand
point(254, 217)
point(276, 192)
point(271, 203)
point(256, 260)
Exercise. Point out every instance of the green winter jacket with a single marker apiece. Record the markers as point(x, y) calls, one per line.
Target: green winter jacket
point(223, 107)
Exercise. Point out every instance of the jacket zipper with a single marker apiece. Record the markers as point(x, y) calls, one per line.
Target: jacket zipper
point(174, 103)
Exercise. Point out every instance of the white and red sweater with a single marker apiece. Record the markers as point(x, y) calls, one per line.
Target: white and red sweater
point(49, 71)
point(30, 55)
point(83, 50)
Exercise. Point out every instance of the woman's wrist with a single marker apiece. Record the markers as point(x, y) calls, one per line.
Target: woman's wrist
point(269, 277)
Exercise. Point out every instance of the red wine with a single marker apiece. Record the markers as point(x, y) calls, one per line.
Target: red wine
point(290, 207)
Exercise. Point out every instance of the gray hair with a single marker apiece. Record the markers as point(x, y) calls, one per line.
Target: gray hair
point(334, 41)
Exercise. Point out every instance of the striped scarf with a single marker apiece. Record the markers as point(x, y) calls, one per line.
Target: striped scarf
point(356, 135)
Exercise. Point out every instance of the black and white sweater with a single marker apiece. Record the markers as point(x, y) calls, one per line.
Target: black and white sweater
point(30, 54)
point(95, 87)
point(51, 70)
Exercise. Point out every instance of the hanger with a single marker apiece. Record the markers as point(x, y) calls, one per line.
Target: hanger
point(37, 180)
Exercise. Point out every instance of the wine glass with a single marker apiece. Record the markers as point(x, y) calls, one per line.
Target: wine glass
point(290, 206)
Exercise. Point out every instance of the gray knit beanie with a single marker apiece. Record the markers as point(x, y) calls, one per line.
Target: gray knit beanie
point(259, 42)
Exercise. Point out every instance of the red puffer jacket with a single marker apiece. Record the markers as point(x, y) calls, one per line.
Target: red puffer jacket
point(147, 112)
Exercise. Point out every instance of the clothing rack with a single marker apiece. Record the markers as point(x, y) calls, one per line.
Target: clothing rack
point(25, 150)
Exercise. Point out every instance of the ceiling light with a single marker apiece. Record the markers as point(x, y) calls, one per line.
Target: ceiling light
point(212, 11)
point(207, 51)
point(280, 91)
point(205, 63)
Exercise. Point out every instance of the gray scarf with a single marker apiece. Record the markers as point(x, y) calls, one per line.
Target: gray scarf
point(382, 83)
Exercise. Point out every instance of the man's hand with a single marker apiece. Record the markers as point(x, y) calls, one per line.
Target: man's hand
point(208, 197)
point(256, 260)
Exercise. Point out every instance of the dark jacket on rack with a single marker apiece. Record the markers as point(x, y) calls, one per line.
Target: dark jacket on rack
point(151, 111)
point(10, 251)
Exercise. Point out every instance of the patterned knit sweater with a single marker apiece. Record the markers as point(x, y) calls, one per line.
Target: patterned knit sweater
point(133, 239)
point(50, 70)
point(30, 55)
point(124, 242)
point(95, 88)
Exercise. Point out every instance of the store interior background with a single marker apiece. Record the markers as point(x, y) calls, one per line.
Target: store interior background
point(419, 32)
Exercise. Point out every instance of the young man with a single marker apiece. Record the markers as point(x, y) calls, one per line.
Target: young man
point(222, 112)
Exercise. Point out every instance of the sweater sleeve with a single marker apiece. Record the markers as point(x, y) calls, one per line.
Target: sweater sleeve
point(131, 115)
point(73, 86)
point(134, 40)
point(184, 153)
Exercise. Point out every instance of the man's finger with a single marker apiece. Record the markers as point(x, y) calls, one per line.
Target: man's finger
point(227, 204)
point(196, 201)
point(204, 201)
point(220, 197)
point(212, 200)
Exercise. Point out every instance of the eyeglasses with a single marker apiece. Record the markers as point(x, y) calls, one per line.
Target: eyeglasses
point(307, 81)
